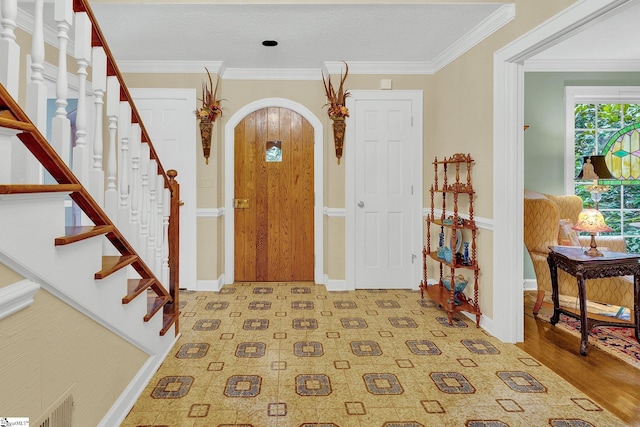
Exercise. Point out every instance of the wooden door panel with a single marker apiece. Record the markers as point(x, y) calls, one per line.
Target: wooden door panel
point(274, 236)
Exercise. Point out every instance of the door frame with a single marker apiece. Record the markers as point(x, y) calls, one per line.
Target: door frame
point(229, 174)
point(416, 97)
point(509, 62)
point(188, 188)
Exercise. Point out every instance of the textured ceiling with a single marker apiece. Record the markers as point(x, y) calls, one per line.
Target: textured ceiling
point(612, 37)
point(309, 35)
point(374, 37)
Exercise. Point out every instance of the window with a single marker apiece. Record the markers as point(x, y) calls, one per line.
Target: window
point(606, 121)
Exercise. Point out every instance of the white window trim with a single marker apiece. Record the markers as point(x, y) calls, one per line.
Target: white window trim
point(582, 95)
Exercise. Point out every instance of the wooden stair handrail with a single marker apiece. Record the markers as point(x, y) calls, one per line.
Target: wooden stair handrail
point(36, 143)
point(12, 116)
point(98, 39)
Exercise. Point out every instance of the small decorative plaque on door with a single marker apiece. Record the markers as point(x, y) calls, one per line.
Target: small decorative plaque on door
point(274, 151)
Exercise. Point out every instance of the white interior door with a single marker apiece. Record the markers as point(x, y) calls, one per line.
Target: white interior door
point(168, 116)
point(386, 202)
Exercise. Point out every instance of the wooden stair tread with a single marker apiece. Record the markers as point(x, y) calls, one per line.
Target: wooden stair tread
point(39, 188)
point(168, 320)
point(135, 287)
point(77, 233)
point(111, 264)
point(155, 303)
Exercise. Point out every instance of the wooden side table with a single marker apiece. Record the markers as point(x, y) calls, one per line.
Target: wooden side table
point(584, 267)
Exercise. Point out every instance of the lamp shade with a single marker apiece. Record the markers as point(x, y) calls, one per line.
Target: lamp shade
point(594, 167)
point(591, 221)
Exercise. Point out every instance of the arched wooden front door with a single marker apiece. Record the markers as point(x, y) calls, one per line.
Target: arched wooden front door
point(273, 197)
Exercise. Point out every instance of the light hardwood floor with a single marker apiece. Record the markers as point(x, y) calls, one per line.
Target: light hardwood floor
point(609, 381)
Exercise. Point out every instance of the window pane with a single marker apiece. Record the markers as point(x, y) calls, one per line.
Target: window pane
point(612, 130)
point(631, 199)
point(631, 114)
point(613, 220)
point(585, 145)
point(633, 244)
point(585, 116)
point(609, 115)
point(610, 199)
point(603, 138)
point(631, 223)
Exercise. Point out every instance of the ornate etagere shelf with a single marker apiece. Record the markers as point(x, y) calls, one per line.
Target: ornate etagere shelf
point(450, 260)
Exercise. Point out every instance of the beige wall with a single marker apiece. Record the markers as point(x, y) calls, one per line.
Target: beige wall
point(458, 117)
point(49, 347)
point(8, 276)
point(462, 121)
point(458, 107)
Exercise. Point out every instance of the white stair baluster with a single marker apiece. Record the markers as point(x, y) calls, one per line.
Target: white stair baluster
point(36, 89)
point(113, 108)
point(111, 195)
point(151, 243)
point(144, 211)
point(82, 53)
point(60, 124)
point(99, 83)
point(9, 49)
point(124, 163)
point(134, 188)
point(159, 224)
point(166, 204)
point(36, 108)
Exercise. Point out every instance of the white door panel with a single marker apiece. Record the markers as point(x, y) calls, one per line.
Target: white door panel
point(168, 116)
point(384, 150)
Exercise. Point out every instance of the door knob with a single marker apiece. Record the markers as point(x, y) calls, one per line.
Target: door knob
point(361, 204)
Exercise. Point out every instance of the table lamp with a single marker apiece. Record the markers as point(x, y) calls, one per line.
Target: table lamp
point(591, 221)
point(595, 168)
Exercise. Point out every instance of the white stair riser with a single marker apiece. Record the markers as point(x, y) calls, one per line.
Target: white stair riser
point(29, 225)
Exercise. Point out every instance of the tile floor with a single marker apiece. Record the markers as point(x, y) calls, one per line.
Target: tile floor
point(270, 354)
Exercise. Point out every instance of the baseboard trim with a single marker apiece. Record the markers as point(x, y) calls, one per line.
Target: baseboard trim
point(530, 285)
point(335, 285)
point(208, 285)
point(121, 408)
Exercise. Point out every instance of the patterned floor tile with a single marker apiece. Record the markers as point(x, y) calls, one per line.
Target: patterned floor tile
point(293, 354)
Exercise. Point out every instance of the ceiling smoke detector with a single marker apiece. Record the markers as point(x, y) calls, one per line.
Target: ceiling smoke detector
point(269, 43)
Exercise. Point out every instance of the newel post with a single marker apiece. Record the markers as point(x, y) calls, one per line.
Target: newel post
point(174, 243)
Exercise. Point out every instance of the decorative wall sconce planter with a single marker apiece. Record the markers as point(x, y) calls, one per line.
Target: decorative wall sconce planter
point(339, 127)
point(207, 114)
point(206, 133)
point(337, 111)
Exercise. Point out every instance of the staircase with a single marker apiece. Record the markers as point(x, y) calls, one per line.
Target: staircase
point(116, 259)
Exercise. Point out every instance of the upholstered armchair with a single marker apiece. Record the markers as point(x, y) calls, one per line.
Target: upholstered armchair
point(542, 215)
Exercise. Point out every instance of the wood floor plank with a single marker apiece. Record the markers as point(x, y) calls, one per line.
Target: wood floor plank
point(609, 381)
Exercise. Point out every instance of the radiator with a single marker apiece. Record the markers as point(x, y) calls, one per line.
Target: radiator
point(59, 414)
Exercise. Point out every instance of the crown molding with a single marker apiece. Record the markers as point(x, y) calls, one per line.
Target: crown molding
point(491, 24)
point(271, 74)
point(164, 67)
point(582, 65)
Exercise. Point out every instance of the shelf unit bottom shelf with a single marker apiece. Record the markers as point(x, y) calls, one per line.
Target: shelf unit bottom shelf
point(442, 296)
